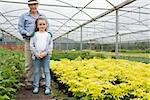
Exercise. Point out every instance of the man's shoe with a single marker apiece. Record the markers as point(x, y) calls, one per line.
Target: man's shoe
point(47, 91)
point(35, 90)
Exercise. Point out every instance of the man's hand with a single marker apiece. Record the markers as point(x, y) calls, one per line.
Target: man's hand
point(28, 34)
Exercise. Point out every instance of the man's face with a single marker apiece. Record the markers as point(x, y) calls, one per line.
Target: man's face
point(33, 7)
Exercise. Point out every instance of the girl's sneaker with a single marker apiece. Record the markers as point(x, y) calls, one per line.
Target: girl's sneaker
point(35, 90)
point(47, 91)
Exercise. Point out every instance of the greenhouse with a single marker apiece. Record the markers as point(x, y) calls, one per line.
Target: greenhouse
point(100, 50)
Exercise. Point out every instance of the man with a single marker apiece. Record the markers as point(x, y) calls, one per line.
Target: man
point(26, 27)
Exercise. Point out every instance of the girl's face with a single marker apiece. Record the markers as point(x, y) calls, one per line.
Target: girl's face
point(42, 25)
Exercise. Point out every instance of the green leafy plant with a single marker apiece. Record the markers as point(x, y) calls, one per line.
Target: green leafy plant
point(11, 69)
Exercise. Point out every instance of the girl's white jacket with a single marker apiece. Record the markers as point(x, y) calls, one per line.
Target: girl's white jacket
point(49, 45)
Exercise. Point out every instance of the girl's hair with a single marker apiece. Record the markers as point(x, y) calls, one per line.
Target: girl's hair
point(36, 23)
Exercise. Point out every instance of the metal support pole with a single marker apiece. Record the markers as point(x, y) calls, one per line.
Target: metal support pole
point(67, 43)
point(60, 44)
point(81, 40)
point(90, 45)
point(117, 33)
point(120, 42)
point(102, 48)
point(1, 37)
point(148, 44)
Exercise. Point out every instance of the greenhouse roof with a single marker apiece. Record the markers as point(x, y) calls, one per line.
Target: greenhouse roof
point(95, 19)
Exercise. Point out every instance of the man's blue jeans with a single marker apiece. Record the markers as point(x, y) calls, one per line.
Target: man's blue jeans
point(44, 62)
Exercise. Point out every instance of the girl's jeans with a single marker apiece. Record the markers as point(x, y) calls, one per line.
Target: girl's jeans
point(44, 62)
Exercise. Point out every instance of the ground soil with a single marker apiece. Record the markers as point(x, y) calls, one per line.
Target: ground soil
point(56, 94)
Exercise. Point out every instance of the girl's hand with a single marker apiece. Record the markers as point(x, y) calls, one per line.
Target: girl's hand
point(42, 54)
point(38, 55)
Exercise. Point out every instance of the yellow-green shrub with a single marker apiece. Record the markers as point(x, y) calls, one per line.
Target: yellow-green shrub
point(104, 78)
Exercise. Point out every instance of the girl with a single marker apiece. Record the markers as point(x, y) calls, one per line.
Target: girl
point(41, 45)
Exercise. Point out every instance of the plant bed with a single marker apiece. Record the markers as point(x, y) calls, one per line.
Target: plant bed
point(108, 79)
point(61, 86)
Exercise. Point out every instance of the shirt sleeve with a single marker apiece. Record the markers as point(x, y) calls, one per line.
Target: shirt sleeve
point(21, 26)
point(50, 46)
point(32, 46)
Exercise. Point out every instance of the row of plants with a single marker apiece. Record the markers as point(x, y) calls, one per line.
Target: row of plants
point(135, 51)
point(138, 59)
point(145, 58)
point(108, 79)
point(11, 69)
point(75, 54)
point(144, 55)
